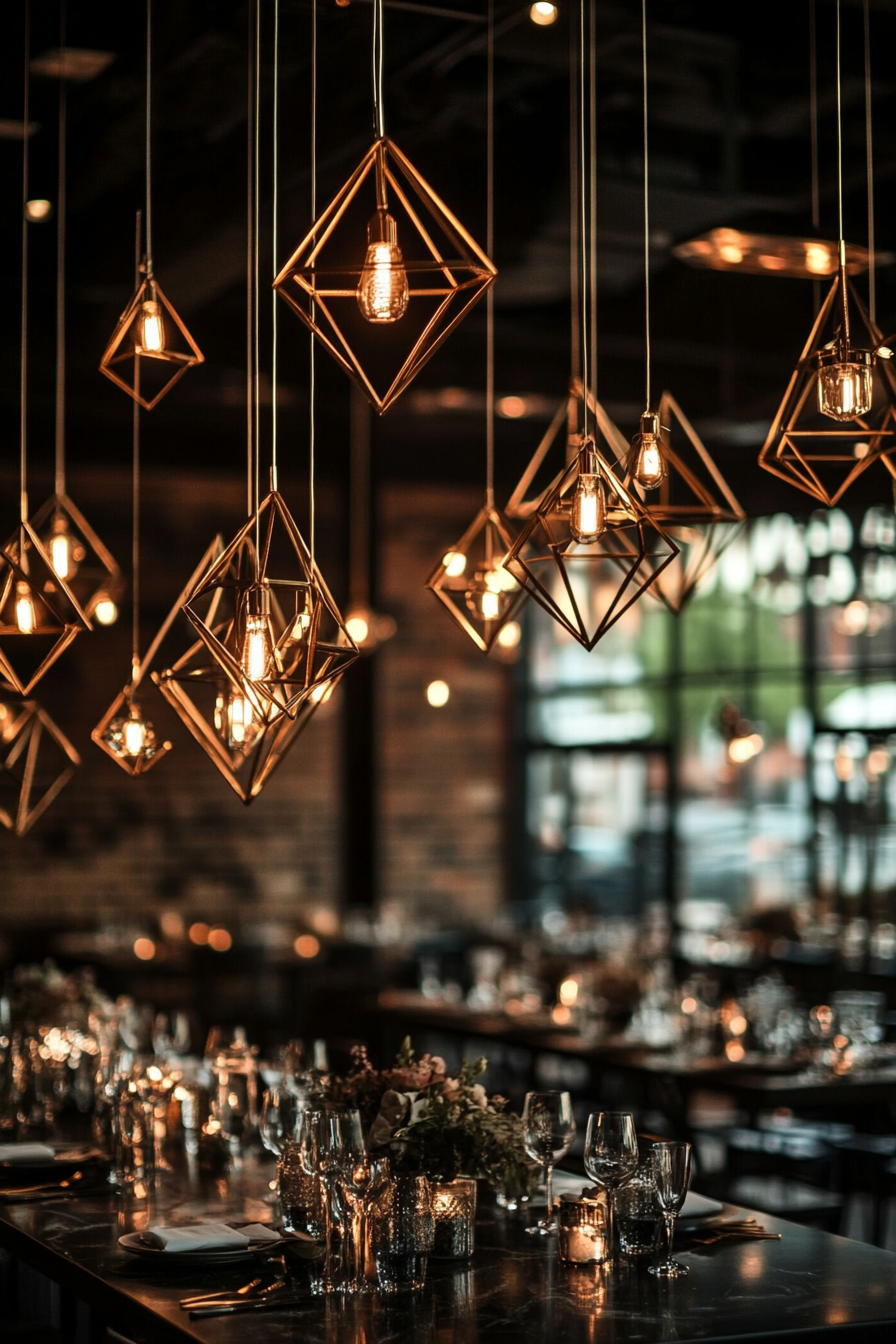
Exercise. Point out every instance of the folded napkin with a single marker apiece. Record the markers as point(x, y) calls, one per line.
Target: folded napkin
point(25, 1154)
point(200, 1237)
point(260, 1232)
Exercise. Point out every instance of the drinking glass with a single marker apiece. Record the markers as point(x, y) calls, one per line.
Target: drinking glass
point(672, 1170)
point(402, 1233)
point(279, 1115)
point(330, 1141)
point(548, 1130)
point(611, 1158)
point(361, 1183)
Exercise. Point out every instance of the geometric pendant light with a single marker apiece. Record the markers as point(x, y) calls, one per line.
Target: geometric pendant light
point(838, 414)
point(36, 762)
point(150, 348)
point(383, 312)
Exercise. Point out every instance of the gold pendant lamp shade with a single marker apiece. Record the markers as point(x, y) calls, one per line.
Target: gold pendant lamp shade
point(150, 349)
point(126, 735)
point(36, 762)
point(39, 615)
point(471, 580)
point(79, 557)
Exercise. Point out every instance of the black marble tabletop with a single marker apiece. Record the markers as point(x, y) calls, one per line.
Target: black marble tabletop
point(807, 1286)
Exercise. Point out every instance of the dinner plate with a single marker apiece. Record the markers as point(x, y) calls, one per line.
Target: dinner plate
point(133, 1242)
point(66, 1156)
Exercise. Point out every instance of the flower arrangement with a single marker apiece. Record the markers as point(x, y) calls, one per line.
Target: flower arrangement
point(431, 1122)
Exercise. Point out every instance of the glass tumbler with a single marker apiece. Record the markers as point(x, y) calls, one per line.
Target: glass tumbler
point(638, 1218)
point(454, 1211)
point(402, 1232)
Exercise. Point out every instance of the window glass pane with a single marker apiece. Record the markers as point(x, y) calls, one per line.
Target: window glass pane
point(634, 648)
point(624, 714)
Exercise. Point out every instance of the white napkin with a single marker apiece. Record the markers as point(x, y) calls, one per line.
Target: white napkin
point(200, 1237)
point(258, 1232)
point(23, 1154)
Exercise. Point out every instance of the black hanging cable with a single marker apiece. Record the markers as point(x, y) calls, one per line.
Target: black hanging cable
point(583, 190)
point(23, 370)
point(869, 167)
point(379, 115)
point(592, 191)
point(60, 254)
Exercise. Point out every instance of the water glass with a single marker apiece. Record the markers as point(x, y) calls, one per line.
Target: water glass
point(134, 1146)
point(279, 1116)
point(331, 1144)
point(638, 1219)
point(402, 1233)
point(672, 1173)
point(611, 1158)
point(548, 1129)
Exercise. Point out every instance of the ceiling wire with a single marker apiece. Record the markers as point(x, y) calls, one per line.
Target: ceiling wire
point(869, 165)
point(256, 191)
point(583, 193)
point(574, 238)
point(646, 215)
point(312, 386)
point(23, 370)
point(60, 256)
point(592, 191)
point(135, 491)
point(813, 134)
point(839, 139)
point(379, 116)
point(490, 247)
point(149, 137)
point(275, 242)
point(250, 231)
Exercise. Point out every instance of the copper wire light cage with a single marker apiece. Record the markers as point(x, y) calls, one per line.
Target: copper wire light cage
point(39, 615)
point(94, 575)
point(127, 736)
point(150, 348)
point(36, 762)
point(472, 583)
point(821, 456)
point(694, 504)
point(586, 587)
point(446, 273)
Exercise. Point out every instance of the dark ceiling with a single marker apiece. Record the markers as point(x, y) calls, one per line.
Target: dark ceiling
point(730, 145)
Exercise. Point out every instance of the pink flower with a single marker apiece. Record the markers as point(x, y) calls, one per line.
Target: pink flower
point(450, 1089)
point(479, 1096)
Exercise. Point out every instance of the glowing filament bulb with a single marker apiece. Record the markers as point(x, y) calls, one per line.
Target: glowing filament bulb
point(845, 388)
point(240, 719)
point(490, 604)
point(588, 515)
point(151, 330)
point(258, 644)
point(383, 287)
point(60, 554)
point(106, 609)
point(134, 733)
point(26, 617)
point(455, 563)
point(649, 469)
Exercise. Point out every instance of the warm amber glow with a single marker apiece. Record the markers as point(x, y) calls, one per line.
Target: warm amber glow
point(60, 554)
point(845, 390)
point(689, 1005)
point(306, 946)
point(543, 13)
point(383, 288)
point(134, 734)
point(819, 260)
point(650, 469)
point(455, 563)
point(219, 940)
point(490, 605)
point(144, 949)
point(589, 509)
point(878, 762)
point(152, 337)
point(198, 933)
point(731, 253)
point(358, 627)
point(437, 693)
point(561, 1014)
point(743, 749)
point(37, 211)
point(26, 617)
point(105, 610)
point(240, 719)
point(509, 635)
point(511, 407)
point(734, 1051)
point(738, 1025)
point(258, 650)
point(568, 991)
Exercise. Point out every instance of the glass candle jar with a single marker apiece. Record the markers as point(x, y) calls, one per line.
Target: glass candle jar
point(582, 1231)
point(454, 1211)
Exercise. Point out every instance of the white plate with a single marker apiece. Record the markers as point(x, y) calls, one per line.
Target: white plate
point(133, 1242)
point(70, 1155)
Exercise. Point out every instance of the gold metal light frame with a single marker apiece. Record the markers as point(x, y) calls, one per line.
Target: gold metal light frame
point(320, 280)
point(694, 504)
point(98, 575)
point(800, 448)
point(471, 582)
point(158, 370)
point(770, 254)
point(27, 785)
point(26, 572)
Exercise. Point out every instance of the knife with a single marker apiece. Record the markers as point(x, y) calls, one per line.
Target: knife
point(266, 1304)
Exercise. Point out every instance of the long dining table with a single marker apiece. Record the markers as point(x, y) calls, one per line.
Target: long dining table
point(806, 1286)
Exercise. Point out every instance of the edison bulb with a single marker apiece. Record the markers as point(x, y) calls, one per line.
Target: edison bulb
point(845, 388)
point(648, 464)
point(235, 719)
point(588, 514)
point(383, 287)
point(66, 552)
point(134, 733)
point(455, 563)
point(358, 626)
point(151, 329)
point(258, 644)
point(105, 609)
point(26, 616)
point(500, 580)
point(490, 604)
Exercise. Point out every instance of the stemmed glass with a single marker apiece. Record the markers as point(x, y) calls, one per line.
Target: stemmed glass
point(360, 1185)
point(672, 1172)
point(611, 1158)
point(331, 1142)
point(548, 1130)
point(279, 1116)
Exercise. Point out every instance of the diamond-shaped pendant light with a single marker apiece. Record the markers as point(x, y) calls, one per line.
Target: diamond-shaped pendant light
point(150, 349)
point(39, 615)
point(693, 503)
point(78, 555)
point(471, 582)
point(446, 273)
point(815, 453)
point(126, 735)
point(587, 585)
point(36, 762)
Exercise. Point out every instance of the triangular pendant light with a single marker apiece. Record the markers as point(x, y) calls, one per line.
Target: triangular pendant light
point(470, 580)
point(150, 348)
point(420, 274)
point(682, 487)
point(39, 615)
point(76, 552)
point(838, 414)
point(36, 762)
point(589, 549)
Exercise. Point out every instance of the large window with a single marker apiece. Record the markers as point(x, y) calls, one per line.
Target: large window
point(739, 755)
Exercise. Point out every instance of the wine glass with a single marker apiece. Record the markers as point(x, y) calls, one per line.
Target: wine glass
point(330, 1141)
point(279, 1115)
point(611, 1158)
point(548, 1130)
point(672, 1171)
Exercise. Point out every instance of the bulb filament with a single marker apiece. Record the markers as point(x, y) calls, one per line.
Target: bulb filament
point(588, 514)
point(26, 617)
point(383, 287)
point(152, 337)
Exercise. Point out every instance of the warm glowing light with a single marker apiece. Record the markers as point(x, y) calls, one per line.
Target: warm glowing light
point(561, 1015)
point(769, 262)
point(568, 992)
point(154, 1073)
point(455, 563)
point(240, 719)
point(878, 762)
point(512, 407)
point(861, 450)
point(26, 617)
point(144, 949)
point(845, 390)
point(731, 253)
point(738, 1025)
point(38, 211)
point(689, 1005)
point(171, 923)
point(743, 749)
point(490, 605)
point(509, 635)
point(819, 260)
point(219, 940)
point(543, 13)
point(437, 693)
point(588, 518)
point(134, 734)
point(306, 946)
point(322, 691)
point(105, 610)
point(383, 287)
point(258, 644)
point(60, 555)
point(151, 329)
point(734, 1051)
point(854, 617)
point(844, 766)
point(649, 469)
point(358, 627)
point(198, 933)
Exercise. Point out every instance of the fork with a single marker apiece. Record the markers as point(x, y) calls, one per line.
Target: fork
point(247, 1288)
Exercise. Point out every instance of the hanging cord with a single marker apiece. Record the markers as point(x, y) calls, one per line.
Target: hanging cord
point(135, 499)
point(379, 116)
point(592, 192)
point(646, 215)
point(275, 243)
point(60, 258)
point(583, 181)
point(256, 190)
point(574, 239)
point(250, 234)
point(311, 386)
point(149, 137)
point(869, 161)
point(490, 247)
point(839, 139)
point(813, 134)
point(23, 387)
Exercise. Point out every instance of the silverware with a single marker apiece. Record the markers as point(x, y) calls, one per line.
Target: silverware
point(250, 1292)
point(222, 1296)
point(266, 1304)
point(46, 1186)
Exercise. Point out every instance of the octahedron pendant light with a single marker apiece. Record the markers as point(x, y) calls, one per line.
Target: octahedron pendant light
point(684, 490)
point(36, 762)
point(843, 376)
point(150, 348)
point(414, 278)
